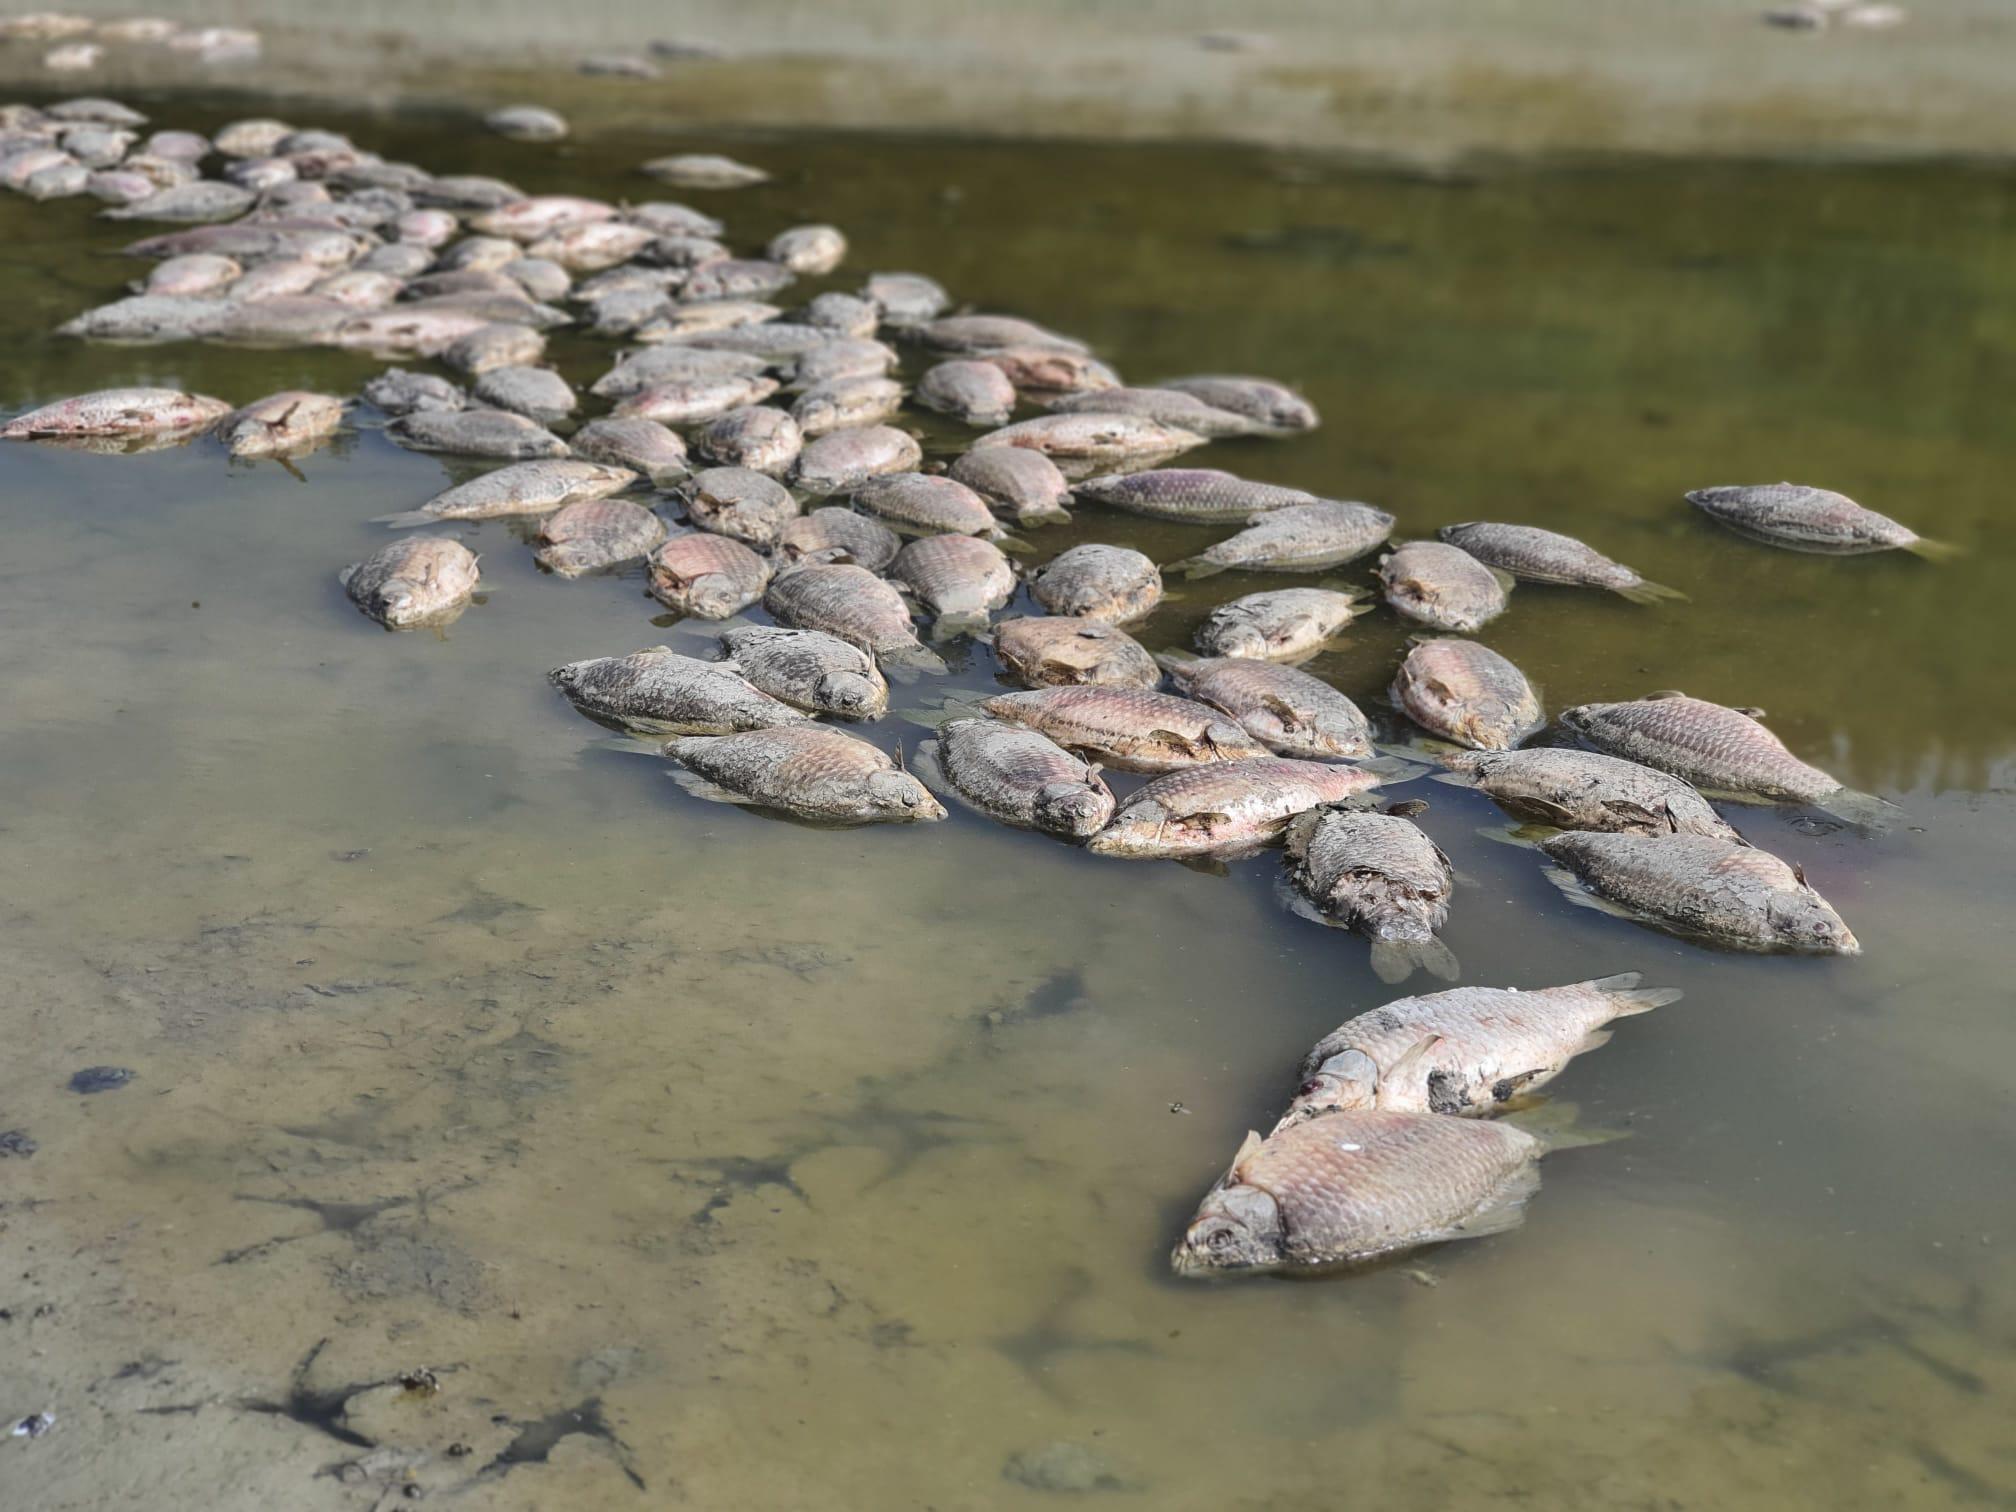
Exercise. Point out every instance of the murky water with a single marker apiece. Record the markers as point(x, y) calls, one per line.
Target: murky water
point(719, 1162)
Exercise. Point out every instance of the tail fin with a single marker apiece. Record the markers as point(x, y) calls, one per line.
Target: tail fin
point(1391, 769)
point(1642, 592)
point(1933, 551)
point(1863, 810)
point(1195, 567)
point(1627, 997)
point(407, 519)
point(908, 663)
point(1557, 1126)
point(1397, 960)
point(951, 627)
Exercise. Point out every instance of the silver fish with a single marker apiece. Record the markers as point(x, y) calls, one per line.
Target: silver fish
point(905, 299)
point(1441, 585)
point(597, 534)
point(958, 579)
point(413, 581)
point(812, 251)
point(398, 392)
point(855, 537)
point(1080, 443)
point(644, 446)
point(1809, 519)
point(1019, 777)
point(1289, 712)
point(1018, 484)
point(204, 200)
point(1164, 406)
point(844, 314)
point(987, 333)
point(191, 274)
point(703, 170)
point(1050, 370)
point(666, 364)
point(527, 123)
point(1126, 728)
point(840, 357)
point(739, 502)
point(976, 393)
point(1545, 556)
point(1112, 583)
point(523, 488)
point(841, 461)
point(846, 402)
point(707, 576)
point(592, 248)
point(148, 318)
point(1189, 495)
point(1467, 693)
point(809, 770)
point(283, 424)
point(497, 344)
point(689, 401)
point(1379, 875)
point(852, 603)
point(657, 691)
point(809, 670)
point(528, 219)
point(926, 504)
point(1586, 790)
point(1297, 538)
point(736, 278)
point(536, 393)
point(1259, 399)
point(129, 412)
point(1058, 651)
point(1284, 624)
point(1224, 808)
point(755, 436)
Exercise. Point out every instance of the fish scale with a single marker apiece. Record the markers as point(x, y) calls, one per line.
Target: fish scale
point(1705, 743)
point(1289, 712)
point(806, 769)
point(1021, 777)
point(1225, 807)
point(1195, 495)
point(848, 601)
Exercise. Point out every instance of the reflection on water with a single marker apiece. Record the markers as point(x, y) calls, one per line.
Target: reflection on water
point(756, 1165)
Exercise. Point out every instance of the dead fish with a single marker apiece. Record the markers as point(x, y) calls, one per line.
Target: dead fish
point(537, 393)
point(1019, 777)
point(1544, 556)
point(191, 274)
point(1289, 712)
point(857, 538)
point(1466, 693)
point(523, 488)
point(774, 343)
point(810, 770)
point(1809, 519)
point(926, 504)
point(988, 333)
point(736, 278)
point(358, 289)
point(906, 299)
point(1285, 624)
point(669, 218)
point(779, 343)
point(468, 191)
point(638, 371)
point(276, 280)
point(707, 576)
point(1189, 495)
point(754, 436)
point(1225, 808)
point(812, 251)
point(846, 402)
point(118, 186)
point(844, 314)
point(1379, 875)
point(1466, 1052)
point(1296, 538)
point(690, 401)
point(841, 357)
point(64, 180)
point(657, 691)
point(976, 393)
point(1356, 1186)
point(1058, 651)
point(541, 280)
point(596, 534)
point(739, 502)
point(843, 460)
point(1019, 485)
point(1720, 892)
point(413, 581)
point(644, 446)
point(249, 241)
point(1719, 750)
point(527, 123)
point(131, 412)
point(261, 174)
point(1164, 406)
point(497, 344)
point(593, 247)
point(204, 200)
point(1112, 583)
point(292, 320)
point(251, 138)
point(399, 332)
point(1079, 443)
point(148, 318)
point(398, 392)
point(1442, 586)
point(479, 256)
point(618, 66)
point(809, 670)
point(1259, 399)
point(1126, 728)
point(703, 170)
point(400, 259)
point(1049, 370)
point(959, 580)
point(281, 424)
point(539, 215)
point(1586, 790)
point(626, 311)
point(852, 603)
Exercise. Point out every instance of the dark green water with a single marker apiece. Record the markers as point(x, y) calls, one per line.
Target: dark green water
point(838, 1169)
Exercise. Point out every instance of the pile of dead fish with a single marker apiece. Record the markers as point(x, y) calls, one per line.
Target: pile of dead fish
point(748, 459)
point(82, 41)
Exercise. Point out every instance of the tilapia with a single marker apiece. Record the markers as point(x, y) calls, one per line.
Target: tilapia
point(1189, 495)
point(852, 603)
point(1164, 406)
point(1296, 538)
point(905, 299)
point(842, 460)
point(809, 770)
point(689, 401)
point(736, 278)
point(926, 504)
point(957, 579)
point(594, 247)
point(191, 274)
point(987, 333)
point(1466, 1052)
point(1018, 484)
point(809, 670)
point(523, 488)
point(1050, 370)
point(644, 446)
point(855, 537)
point(703, 170)
point(1289, 712)
point(749, 324)
point(527, 123)
point(126, 412)
point(1259, 399)
point(283, 424)
point(148, 318)
point(657, 691)
point(846, 402)
point(754, 436)
point(707, 576)
point(529, 219)
point(1284, 624)
point(596, 534)
point(1545, 556)
point(1441, 585)
point(1586, 790)
point(1809, 519)
point(811, 250)
point(1126, 728)
point(1467, 693)
point(1019, 777)
point(413, 581)
point(1720, 892)
point(294, 320)
point(844, 314)
point(276, 280)
point(977, 393)
point(779, 343)
point(671, 364)
point(840, 357)
point(739, 502)
point(536, 393)
point(398, 392)
point(1357, 1186)
point(1225, 808)
point(204, 200)
point(401, 332)
point(1078, 444)
point(1379, 875)
point(497, 344)
point(1112, 583)
point(1057, 652)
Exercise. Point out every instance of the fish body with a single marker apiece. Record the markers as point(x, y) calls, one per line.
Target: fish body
point(1716, 748)
point(1297, 538)
point(740, 502)
point(1379, 875)
point(593, 248)
point(754, 436)
point(1262, 400)
point(807, 769)
point(809, 670)
point(398, 392)
point(690, 401)
point(122, 412)
point(1544, 556)
point(413, 581)
point(657, 691)
point(1467, 693)
point(906, 299)
point(1080, 443)
point(596, 534)
point(1017, 484)
point(973, 392)
point(843, 314)
point(281, 424)
point(643, 446)
point(1129, 729)
point(846, 402)
point(1224, 808)
point(402, 331)
point(958, 579)
point(707, 576)
point(527, 123)
point(859, 538)
point(813, 251)
point(671, 364)
point(1441, 585)
point(926, 504)
point(536, 393)
point(1112, 583)
point(1720, 892)
point(528, 488)
point(1285, 624)
point(1804, 519)
point(1189, 495)
point(1050, 370)
point(704, 170)
point(191, 274)
point(1021, 777)
point(840, 357)
point(1587, 790)
point(1058, 651)
point(539, 215)
point(148, 318)
point(203, 200)
point(1289, 712)
point(841, 461)
point(987, 333)
point(849, 602)
point(494, 344)
point(1164, 406)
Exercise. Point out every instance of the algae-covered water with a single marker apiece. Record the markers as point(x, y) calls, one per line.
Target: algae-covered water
point(711, 1161)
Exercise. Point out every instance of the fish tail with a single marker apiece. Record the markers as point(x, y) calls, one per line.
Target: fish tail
point(1643, 592)
point(407, 519)
point(1559, 1126)
point(1863, 810)
point(1933, 551)
point(908, 663)
point(1195, 567)
point(1397, 960)
point(1627, 997)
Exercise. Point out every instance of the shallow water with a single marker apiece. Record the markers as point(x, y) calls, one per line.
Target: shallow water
point(759, 1166)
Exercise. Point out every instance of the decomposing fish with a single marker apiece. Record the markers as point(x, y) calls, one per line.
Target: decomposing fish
point(707, 576)
point(131, 412)
point(1129, 729)
point(831, 529)
point(1112, 583)
point(668, 364)
point(191, 274)
point(1224, 808)
point(1059, 651)
point(809, 669)
point(148, 318)
point(1019, 777)
point(401, 331)
point(1467, 693)
point(523, 488)
point(1259, 399)
point(1296, 538)
point(1545, 556)
point(1165, 406)
point(534, 216)
point(736, 278)
point(1379, 875)
point(754, 436)
point(1080, 443)
point(527, 123)
point(986, 333)
point(840, 357)
point(292, 320)
point(1018, 484)
point(594, 247)
point(852, 603)
point(203, 200)
point(1189, 495)
point(413, 581)
point(811, 250)
point(1050, 370)
point(281, 424)
point(398, 392)
point(536, 393)
point(1442, 585)
point(657, 691)
point(926, 504)
point(644, 446)
point(1283, 624)
point(845, 402)
point(494, 344)
point(845, 314)
point(905, 299)
point(1586, 790)
point(810, 770)
point(977, 393)
point(739, 502)
point(703, 170)
point(689, 401)
point(1809, 519)
point(1721, 892)
point(1352, 1187)
point(1289, 712)
point(596, 534)
point(1467, 1051)
point(959, 580)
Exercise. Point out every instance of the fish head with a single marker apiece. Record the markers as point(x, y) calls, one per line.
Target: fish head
point(402, 604)
point(1135, 833)
point(1074, 808)
point(714, 596)
point(1804, 921)
point(1237, 1228)
point(1240, 640)
point(1343, 1082)
point(848, 694)
point(1334, 735)
point(1582, 719)
point(902, 796)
